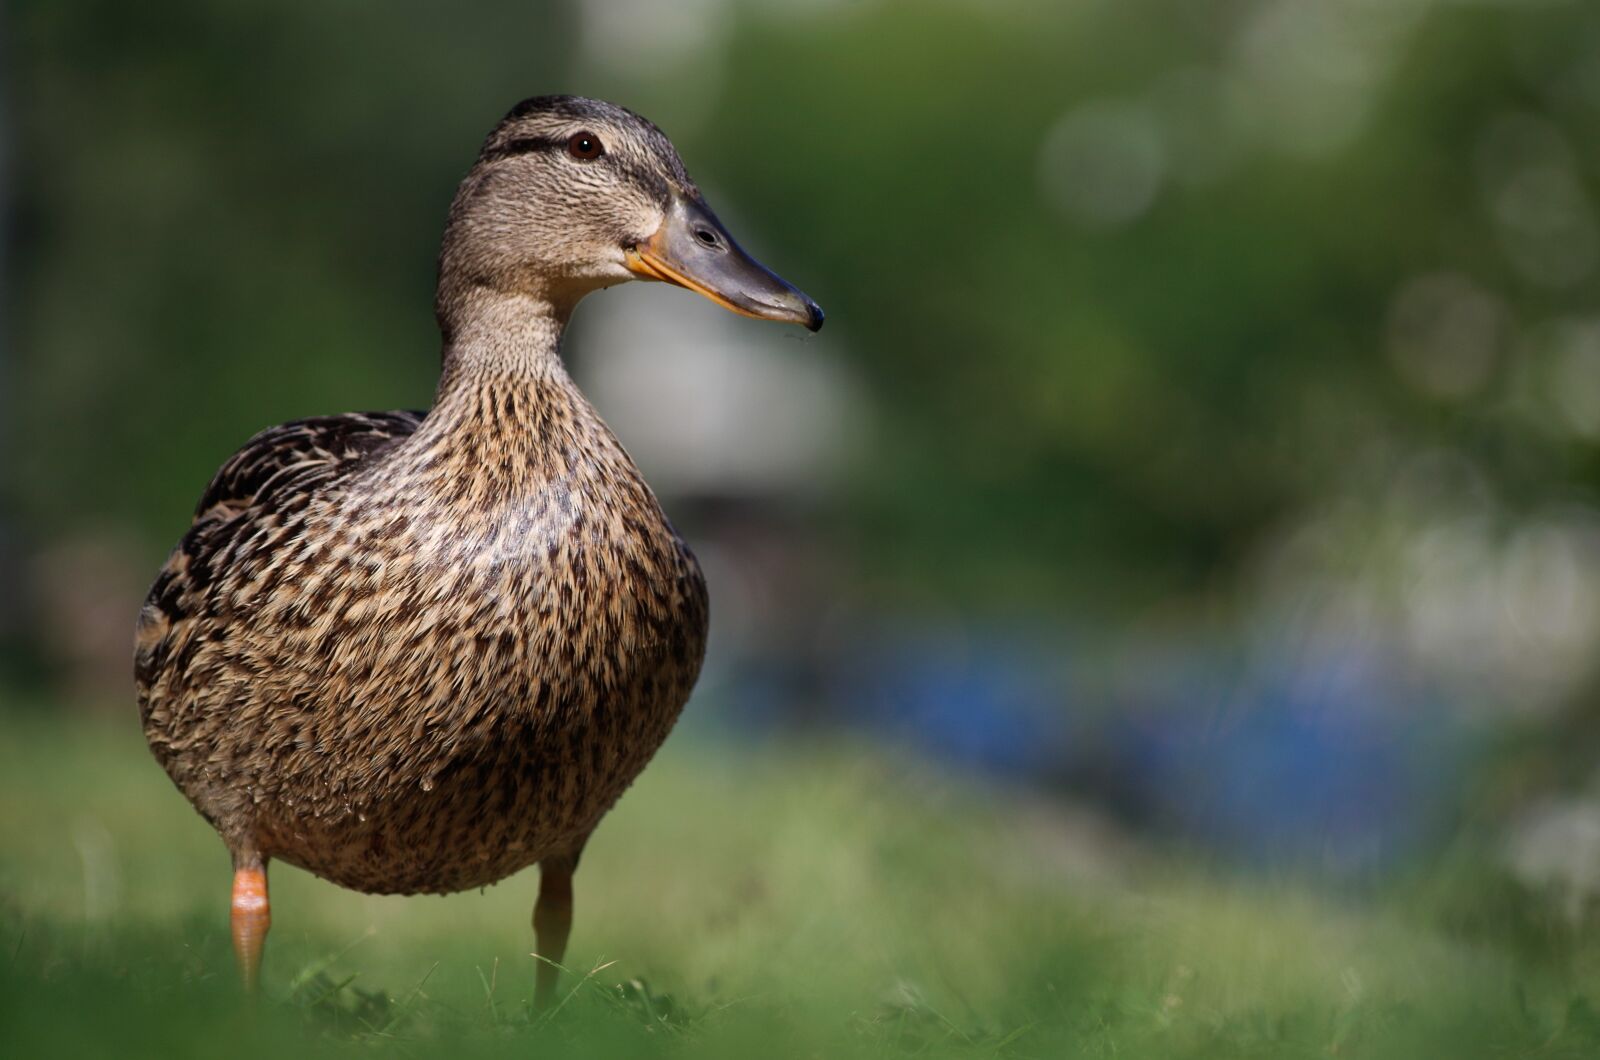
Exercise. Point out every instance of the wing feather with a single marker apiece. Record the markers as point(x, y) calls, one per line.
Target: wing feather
point(271, 477)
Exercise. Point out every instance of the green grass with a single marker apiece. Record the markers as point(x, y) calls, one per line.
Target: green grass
point(818, 902)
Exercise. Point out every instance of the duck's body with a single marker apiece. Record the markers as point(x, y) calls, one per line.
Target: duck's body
point(419, 652)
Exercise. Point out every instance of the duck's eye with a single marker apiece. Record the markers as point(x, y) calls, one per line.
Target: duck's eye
point(585, 147)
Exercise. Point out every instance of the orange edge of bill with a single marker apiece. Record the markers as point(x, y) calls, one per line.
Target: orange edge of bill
point(641, 262)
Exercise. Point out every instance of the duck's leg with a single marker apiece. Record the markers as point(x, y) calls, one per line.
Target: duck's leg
point(252, 915)
point(552, 923)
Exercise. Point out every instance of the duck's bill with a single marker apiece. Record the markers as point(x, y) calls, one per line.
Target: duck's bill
point(693, 250)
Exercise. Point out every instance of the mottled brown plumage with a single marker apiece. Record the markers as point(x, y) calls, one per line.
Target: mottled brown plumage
point(416, 652)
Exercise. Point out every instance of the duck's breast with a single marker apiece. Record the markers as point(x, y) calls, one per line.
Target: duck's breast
point(470, 687)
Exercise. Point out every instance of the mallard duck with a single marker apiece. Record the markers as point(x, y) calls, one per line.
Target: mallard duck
point(416, 652)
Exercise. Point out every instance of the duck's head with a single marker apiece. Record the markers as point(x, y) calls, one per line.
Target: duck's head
point(570, 195)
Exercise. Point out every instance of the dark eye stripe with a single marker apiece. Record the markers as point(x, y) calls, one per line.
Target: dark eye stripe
point(522, 145)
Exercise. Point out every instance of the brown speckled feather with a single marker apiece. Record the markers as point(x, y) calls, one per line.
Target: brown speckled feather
point(416, 654)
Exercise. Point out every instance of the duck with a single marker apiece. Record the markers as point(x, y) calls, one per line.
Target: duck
point(416, 652)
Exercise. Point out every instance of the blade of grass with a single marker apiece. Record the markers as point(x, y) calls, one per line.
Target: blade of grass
point(596, 970)
point(317, 967)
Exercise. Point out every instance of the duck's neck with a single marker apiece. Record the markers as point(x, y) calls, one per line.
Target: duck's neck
point(506, 406)
point(504, 337)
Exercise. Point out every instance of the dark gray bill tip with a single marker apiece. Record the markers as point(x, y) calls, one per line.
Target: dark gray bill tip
point(817, 316)
point(786, 303)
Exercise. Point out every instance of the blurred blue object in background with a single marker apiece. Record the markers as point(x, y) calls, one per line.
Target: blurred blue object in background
point(1328, 759)
point(1328, 755)
point(988, 700)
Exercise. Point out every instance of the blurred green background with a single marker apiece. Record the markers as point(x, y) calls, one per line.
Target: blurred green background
point(1193, 492)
